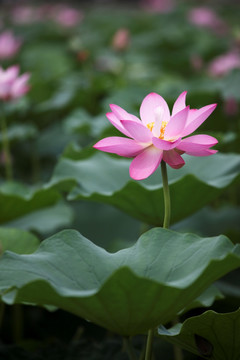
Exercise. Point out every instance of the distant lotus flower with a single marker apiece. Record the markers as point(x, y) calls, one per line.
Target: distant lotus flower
point(13, 86)
point(67, 16)
point(223, 64)
point(158, 135)
point(196, 62)
point(160, 6)
point(9, 45)
point(25, 14)
point(207, 18)
point(121, 39)
point(231, 107)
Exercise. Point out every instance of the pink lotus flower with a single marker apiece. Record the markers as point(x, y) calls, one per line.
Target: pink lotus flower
point(230, 107)
point(25, 14)
point(158, 135)
point(66, 15)
point(160, 6)
point(207, 18)
point(13, 86)
point(225, 63)
point(9, 45)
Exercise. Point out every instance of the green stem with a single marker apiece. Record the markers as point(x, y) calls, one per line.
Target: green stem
point(166, 195)
point(6, 149)
point(178, 355)
point(166, 223)
point(167, 213)
point(128, 348)
point(148, 354)
point(2, 308)
point(17, 322)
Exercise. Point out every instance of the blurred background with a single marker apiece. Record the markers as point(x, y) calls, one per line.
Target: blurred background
point(82, 56)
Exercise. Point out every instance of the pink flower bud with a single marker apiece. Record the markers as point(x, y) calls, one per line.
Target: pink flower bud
point(121, 39)
point(9, 45)
point(13, 86)
point(83, 55)
point(196, 62)
point(231, 107)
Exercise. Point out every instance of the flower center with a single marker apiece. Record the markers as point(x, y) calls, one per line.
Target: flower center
point(162, 129)
point(150, 125)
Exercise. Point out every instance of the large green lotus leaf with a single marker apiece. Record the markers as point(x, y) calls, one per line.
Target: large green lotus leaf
point(224, 220)
point(46, 220)
point(108, 230)
point(106, 179)
point(18, 241)
point(17, 200)
point(126, 292)
point(20, 132)
point(211, 335)
point(206, 299)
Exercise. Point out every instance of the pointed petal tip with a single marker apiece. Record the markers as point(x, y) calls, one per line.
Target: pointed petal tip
point(178, 166)
point(95, 146)
point(113, 106)
point(136, 177)
point(153, 94)
point(213, 105)
point(184, 93)
point(213, 151)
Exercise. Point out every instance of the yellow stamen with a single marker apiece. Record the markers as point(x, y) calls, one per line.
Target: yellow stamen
point(162, 130)
point(150, 125)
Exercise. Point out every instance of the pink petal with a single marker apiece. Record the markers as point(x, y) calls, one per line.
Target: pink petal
point(148, 106)
point(196, 143)
point(11, 73)
point(197, 117)
point(144, 164)
point(201, 152)
point(159, 117)
point(176, 124)
point(116, 122)
point(20, 86)
point(122, 114)
point(180, 103)
point(137, 131)
point(165, 145)
point(5, 89)
point(173, 159)
point(120, 146)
